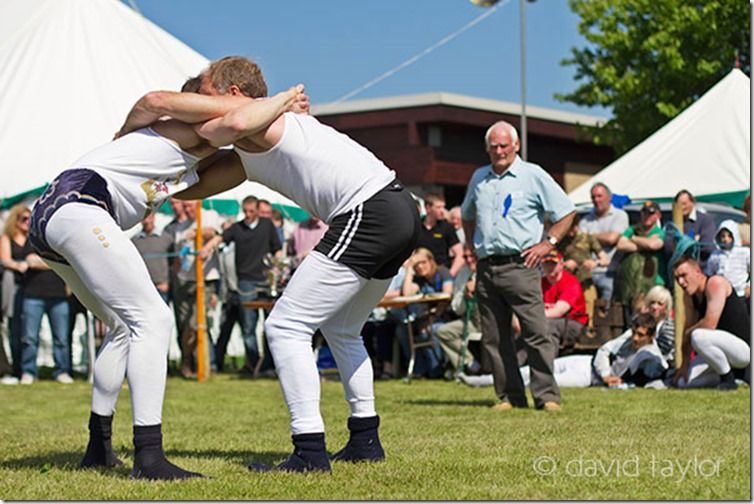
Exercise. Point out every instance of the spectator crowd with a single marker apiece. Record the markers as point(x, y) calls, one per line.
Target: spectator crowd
point(540, 295)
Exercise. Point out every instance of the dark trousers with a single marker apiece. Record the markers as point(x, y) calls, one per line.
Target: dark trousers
point(230, 315)
point(503, 290)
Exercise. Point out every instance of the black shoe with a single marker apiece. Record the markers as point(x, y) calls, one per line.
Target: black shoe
point(364, 444)
point(727, 382)
point(149, 459)
point(99, 451)
point(309, 455)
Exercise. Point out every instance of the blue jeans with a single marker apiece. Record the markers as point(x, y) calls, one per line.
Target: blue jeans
point(16, 324)
point(57, 310)
point(604, 282)
point(428, 359)
point(248, 319)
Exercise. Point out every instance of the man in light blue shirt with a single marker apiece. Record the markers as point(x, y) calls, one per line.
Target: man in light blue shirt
point(503, 217)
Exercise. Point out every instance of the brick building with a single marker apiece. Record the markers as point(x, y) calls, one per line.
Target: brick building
point(435, 141)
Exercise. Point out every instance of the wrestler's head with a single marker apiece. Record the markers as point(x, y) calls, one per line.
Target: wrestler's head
point(233, 75)
point(192, 85)
point(689, 275)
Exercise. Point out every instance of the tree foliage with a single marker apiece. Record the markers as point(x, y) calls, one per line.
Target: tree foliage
point(647, 60)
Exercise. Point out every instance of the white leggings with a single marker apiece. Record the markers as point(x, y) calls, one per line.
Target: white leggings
point(569, 371)
point(108, 275)
point(720, 349)
point(329, 296)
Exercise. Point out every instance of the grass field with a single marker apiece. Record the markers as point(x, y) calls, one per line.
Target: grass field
point(442, 442)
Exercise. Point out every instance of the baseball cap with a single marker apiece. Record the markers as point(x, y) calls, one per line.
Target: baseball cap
point(650, 207)
point(553, 256)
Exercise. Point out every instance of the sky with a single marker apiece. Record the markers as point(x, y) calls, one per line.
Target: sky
point(336, 46)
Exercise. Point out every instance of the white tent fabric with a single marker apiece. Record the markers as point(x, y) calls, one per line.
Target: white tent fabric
point(705, 149)
point(71, 70)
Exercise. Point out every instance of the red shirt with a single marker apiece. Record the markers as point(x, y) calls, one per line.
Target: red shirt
point(568, 289)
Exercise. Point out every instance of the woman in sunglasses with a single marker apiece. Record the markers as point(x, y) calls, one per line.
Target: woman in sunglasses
point(12, 256)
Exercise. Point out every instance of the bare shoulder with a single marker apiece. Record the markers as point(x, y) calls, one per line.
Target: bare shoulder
point(265, 139)
point(184, 135)
point(718, 286)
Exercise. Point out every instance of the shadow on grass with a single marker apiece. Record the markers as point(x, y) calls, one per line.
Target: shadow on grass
point(69, 460)
point(65, 461)
point(242, 457)
point(478, 403)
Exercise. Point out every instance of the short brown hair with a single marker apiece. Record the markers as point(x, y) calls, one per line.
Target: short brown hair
point(192, 84)
point(240, 71)
point(432, 198)
point(646, 321)
point(253, 200)
point(686, 259)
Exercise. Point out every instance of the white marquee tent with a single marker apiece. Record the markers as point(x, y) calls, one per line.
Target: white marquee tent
point(705, 149)
point(71, 70)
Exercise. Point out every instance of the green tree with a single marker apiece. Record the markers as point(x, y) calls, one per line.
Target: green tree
point(647, 60)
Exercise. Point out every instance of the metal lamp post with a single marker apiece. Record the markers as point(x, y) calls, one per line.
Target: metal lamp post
point(522, 10)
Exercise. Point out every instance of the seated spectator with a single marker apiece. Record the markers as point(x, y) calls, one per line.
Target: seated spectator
point(659, 303)
point(718, 330)
point(730, 259)
point(582, 252)
point(154, 247)
point(379, 329)
point(631, 358)
point(607, 224)
point(451, 333)
point(643, 265)
point(424, 276)
point(696, 224)
point(565, 307)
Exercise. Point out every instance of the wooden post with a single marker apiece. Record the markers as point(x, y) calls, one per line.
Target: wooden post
point(202, 352)
point(678, 293)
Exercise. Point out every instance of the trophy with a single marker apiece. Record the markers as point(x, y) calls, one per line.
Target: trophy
point(278, 273)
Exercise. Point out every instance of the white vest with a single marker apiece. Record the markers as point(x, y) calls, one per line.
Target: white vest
point(142, 170)
point(320, 169)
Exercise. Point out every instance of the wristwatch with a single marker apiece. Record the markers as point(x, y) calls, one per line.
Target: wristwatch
point(552, 240)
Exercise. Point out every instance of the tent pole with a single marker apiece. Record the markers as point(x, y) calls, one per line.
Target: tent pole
point(678, 294)
point(202, 352)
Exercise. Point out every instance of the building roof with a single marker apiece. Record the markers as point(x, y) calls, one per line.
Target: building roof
point(452, 100)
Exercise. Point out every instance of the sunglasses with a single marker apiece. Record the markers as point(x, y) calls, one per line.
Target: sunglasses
point(24, 218)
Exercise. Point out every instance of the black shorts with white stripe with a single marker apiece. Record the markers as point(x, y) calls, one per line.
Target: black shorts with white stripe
point(376, 237)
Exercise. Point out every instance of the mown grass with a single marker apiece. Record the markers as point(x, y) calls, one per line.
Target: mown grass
point(443, 442)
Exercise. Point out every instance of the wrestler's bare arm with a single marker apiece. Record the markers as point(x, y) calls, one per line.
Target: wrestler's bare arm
point(252, 118)
point(217, 173)
point(186, 107)
point(185, 136)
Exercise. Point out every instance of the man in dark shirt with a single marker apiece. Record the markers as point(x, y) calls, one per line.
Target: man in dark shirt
point(717, 328)
point(439, 236)
point(254, 238)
